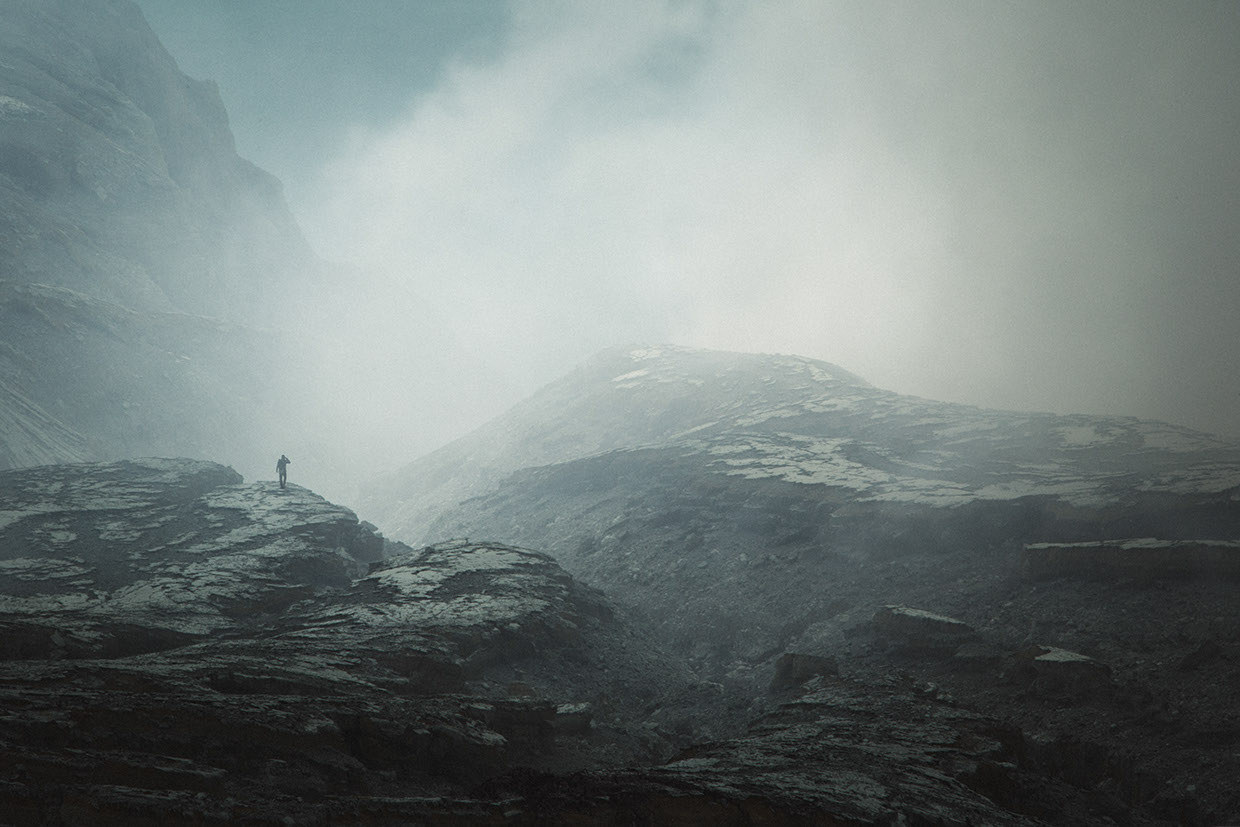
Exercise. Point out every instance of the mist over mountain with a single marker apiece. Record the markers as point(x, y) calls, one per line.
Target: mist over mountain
point(675, 585)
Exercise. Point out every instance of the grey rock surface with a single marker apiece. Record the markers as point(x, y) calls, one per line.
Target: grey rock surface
point(921, 631)
point(1141, 558)
point(169, 630)
point(183, 647)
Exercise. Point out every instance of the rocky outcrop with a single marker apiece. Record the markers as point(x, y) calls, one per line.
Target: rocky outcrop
point(119, 558)
point(1140, 559)
point(1054, 671)
point(179, 646)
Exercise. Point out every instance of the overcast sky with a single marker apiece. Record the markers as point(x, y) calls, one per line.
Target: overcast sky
point(1030, 205)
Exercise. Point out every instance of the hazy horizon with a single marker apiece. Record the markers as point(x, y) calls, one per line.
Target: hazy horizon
point(1026, 206)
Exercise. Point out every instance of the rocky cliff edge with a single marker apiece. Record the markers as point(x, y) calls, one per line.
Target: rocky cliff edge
point(176, 644)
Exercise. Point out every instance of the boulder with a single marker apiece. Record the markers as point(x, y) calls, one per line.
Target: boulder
point(794, 668)
point(978, 656)
point(1049, 670)
point(920, 632)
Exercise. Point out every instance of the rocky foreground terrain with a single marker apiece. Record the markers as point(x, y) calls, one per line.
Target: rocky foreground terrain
point(179, 646)
point(748, 507)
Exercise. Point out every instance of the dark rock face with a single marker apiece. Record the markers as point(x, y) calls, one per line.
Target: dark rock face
point(1054, 671)
point(179, 646)
point(888, 751)
point(921, 631)
point(793, 669)
point(1142, 559)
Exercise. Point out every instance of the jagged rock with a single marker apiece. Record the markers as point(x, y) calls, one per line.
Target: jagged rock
point(793, 669)
point(844, 752)
point(170, 630)
point(573, 718)
point(108, 559)
point(1140, 559)
point(1050, 670)
point(917, 630)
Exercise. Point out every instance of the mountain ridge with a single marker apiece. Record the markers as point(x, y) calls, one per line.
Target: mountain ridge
point(804, 421)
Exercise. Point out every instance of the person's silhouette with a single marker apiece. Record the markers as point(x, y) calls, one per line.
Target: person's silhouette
point(282, 469)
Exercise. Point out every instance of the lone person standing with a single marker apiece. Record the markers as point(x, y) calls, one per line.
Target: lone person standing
point(282, 469)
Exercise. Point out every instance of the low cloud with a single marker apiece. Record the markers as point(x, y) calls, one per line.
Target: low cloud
point(1020, 205)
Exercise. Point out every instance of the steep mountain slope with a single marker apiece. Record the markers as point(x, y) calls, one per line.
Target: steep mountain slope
point(32, 436)
point(146, 270)
point(758, 506)
point(87, 378)
point(118, 175)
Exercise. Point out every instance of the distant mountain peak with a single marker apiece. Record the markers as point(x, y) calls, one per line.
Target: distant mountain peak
point(793, 419)
point(672, 363)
